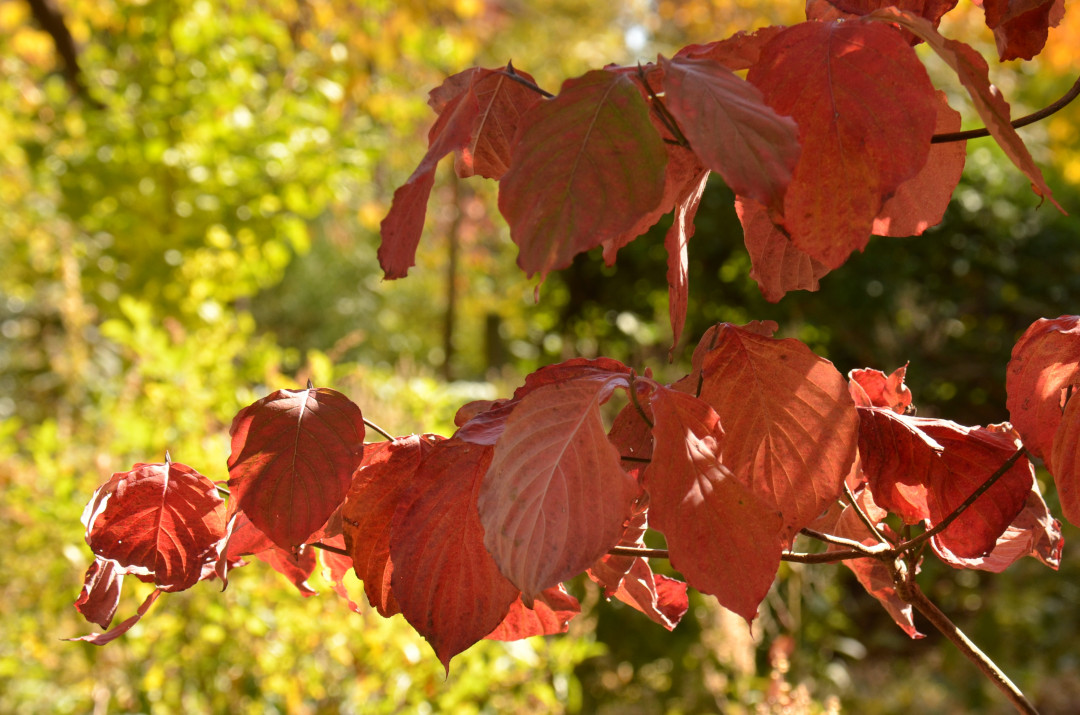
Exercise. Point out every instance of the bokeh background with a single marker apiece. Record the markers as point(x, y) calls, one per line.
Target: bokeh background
point(190, 222)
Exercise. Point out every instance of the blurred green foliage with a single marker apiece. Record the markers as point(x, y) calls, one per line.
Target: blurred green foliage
point(209, 235)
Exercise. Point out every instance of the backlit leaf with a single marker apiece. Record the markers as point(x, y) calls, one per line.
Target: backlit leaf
point(551, 613)
point(675, 241)
point(873, 388)
point(1066, 461)
point(101, 592)
point(500, 104)
point(584, 166)
point(1021, 26)
point(899, 459)
point(293, 457)
point(776, 263)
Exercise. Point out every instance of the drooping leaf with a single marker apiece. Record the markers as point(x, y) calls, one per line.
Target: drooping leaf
point(720, 536)
point(297, 566)
point(776, 263)
point(791, 427)
point(551, 613)
point(675, 241)
point(1021, 26)
point(124, 626)
point(920, 202)
point(866, 110)
point(335, 567)
point(1043, 370)
point(1034, 532)
point(445, 582)
point(584, 167)
point(972, 71)
point(873, 575)
point(731, 128)
point(556, 496)
point(501, 103)
point(401, 229)
point(160, 521)
point(381, 483)
point(100, 595)
point(873, 388)
point(293, 457)
point(1066, 461)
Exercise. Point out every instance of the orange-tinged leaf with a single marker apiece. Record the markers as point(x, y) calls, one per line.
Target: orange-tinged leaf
point(721, 537)
point(500, 104)
point(791, 427)
point(873, 388)
point(1043, 371)
point(731, 128)
point(297, 566)
point(866, 111)
point(900, 460)
point(584, 167)
point(1066, 461)
point(676, 241)
point(556, 497)
point(776, 263)
point(551, 613)
point(293, 457)
point(445, 582)
point(159, 521)
point(972, 70)
point(920, 202)
point(381, 483)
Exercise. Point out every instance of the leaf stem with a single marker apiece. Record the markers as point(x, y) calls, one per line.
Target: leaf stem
point(926, 607)
point(378, 429)
point(328, 547)
point(1043, 113)
point(509, 72)
point(634, 399)
point(666, 118)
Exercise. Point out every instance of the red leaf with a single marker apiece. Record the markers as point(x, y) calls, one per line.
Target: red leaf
point(675, 241)
point(585, 166)
point(296, 566)
point(738, 52)
point(501, 103)
point(776, 263)
point(865, 109)
point(556, 497)
point(122, 627)
point(160, 521)
point(1045, 364)
point(872, 388)
point(920, 202)
point(293, 456)
point(382, 482)
point(972, 70)
point(335, 568)
point(791, 426)
point(721, 537)
point(458, 109)
point(873, 575)
point(829, 10)
point(101, 592)
point(731, 128)
point(1066, 461)
point(899, 459)
point(1021, 26)
point(1034, 532)
point(444, 580)
point(551, 613)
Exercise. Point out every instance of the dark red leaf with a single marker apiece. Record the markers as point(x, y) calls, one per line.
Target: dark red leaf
point(293, 457)
point(972, 70)
point(551, 613)
point(445, 582)
point(585, 166)
point(731, 129)
point(1021, 26)
point(791, 427)
point(776, 263)
point(101, 592)
point(872, 388)
point(866, 111)
point(1045, 364)
point(382, 482)
point(738, 52)
point(556, 497)
point(160, 521)
point(721, 537)
point(124, 626)
point(829, 10)
point(920, 202)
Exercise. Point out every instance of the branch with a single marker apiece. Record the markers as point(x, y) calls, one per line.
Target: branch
point(923, 605)
point(378, 429)
point(955, 514)
point(875, 550)
point(826, 557)
point(52, 21)
point(1043, 113)
point(328, 547)
point(638, 551)
point(863, 517)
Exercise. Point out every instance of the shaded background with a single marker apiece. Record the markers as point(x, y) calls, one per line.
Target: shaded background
point(190, 222)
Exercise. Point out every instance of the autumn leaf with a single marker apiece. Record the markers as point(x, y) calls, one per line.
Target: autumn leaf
point(973, 73)
point(100, 595)
point(124, 626)
point(501, 102)
point(865, 108)
point(899, 459)
point(1021, 26)
point(556, 497)
point(791, 427)
point(551, 613)
point(584, 166)
point(1066, 462)
point(721, 537)
point(293, 456)
point(445, 582)
point(160, 521)
point(731, 129)
point(873, 388)
point(741, 51)
point(776, 263)
point(676, 241)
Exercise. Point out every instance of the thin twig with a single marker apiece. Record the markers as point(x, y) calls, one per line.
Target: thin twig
point(378, 429)
point(509, 72)
point(666, 117)
point(925, 606)
point(955, 514)
point(826, 557)
point(328, 547)
point(875, 550)
point(863, 517)
point(642, 460)
point(1043, 113)
point(634, 400)
point(638, 551)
